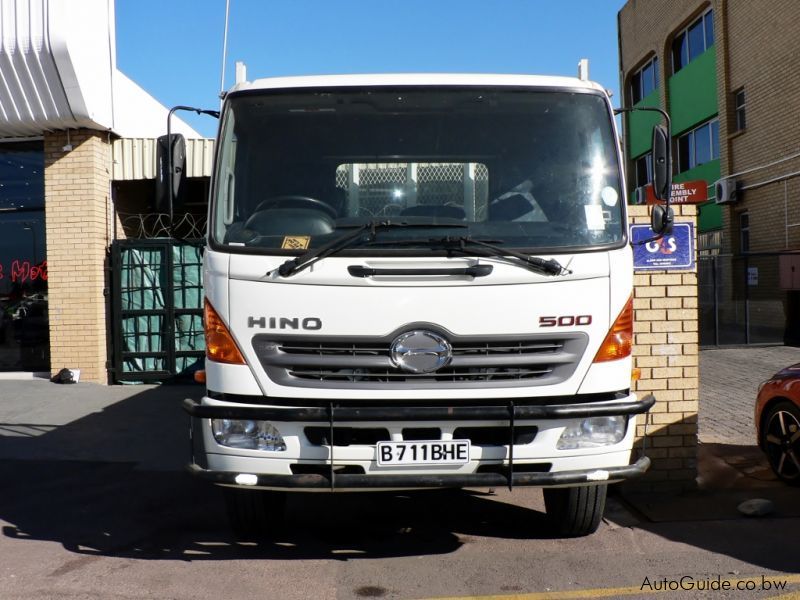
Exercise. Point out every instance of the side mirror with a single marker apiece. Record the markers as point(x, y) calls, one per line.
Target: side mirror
point(662, 163)
point(661, 219)
point(177, 152)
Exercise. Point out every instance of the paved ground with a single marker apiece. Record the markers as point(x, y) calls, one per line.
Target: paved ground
point(93, 504)
point(88, 530)
point(729, 380)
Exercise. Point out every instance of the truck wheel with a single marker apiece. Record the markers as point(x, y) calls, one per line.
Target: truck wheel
point(254, 513)
point(576, 511)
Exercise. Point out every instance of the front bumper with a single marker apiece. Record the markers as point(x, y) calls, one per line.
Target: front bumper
point(332, 412)
point(223, 466)
point(428, 480)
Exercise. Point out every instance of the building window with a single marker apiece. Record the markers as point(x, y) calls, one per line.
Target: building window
point(645, 81)
point(644, 170)
point(740, 121)
point(744, 232)
point(693, 41)
point(699, 146)
point(709, 243)
point(24, 325)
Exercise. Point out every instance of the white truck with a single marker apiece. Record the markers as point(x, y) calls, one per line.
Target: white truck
point(418, 281)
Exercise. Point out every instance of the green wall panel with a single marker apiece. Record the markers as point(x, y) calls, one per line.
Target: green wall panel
point(710, 217)
point(693, 92)
point(710, 214)
point(640, 125)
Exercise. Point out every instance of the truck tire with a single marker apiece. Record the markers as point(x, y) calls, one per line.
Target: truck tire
point(255, 513)
point(576, 511)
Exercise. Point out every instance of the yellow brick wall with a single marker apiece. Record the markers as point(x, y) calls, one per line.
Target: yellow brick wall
point(666, 351)
point(77, 222)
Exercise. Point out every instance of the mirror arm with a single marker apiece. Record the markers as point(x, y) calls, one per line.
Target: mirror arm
point(170, 167)
point(668, 121)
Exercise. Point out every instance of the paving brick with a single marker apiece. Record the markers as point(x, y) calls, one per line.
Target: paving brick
point(729, 380)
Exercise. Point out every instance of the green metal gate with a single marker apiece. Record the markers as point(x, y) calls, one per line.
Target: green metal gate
point(156, 310)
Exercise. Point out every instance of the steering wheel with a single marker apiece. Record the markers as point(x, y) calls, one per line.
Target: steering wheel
point(297, 201)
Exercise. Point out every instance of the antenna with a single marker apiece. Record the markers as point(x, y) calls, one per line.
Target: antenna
point(224, 49)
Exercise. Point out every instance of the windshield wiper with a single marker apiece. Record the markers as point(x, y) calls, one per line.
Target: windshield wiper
point(295, 265)
point(534, 263)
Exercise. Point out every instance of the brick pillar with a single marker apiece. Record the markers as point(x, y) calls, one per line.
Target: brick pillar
point(666, 351)
point(76, 214)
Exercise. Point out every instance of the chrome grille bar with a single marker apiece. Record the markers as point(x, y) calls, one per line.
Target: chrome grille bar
point(366, 363)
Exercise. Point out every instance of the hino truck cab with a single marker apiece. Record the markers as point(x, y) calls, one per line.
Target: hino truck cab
point(417, 281)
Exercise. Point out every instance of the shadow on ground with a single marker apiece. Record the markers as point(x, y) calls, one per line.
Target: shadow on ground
point(115, 510)
point(709, 517)
point(109, 484)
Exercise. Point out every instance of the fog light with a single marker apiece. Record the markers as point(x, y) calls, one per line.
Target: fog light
point(592, 433)
point(250, 435)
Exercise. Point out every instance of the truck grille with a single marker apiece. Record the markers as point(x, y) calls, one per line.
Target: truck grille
point(365, 363)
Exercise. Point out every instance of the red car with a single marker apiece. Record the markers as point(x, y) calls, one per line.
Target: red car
point(778, 423)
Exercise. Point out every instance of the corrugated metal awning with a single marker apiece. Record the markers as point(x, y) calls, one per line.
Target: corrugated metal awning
point(55, 65)
point(135, 158)
point(58, 71)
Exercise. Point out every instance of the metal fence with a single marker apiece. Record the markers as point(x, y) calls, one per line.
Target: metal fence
point(386, 188)
point(749, 299)
point(156, 325)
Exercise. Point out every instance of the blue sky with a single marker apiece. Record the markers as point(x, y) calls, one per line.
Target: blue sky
point(173, 48)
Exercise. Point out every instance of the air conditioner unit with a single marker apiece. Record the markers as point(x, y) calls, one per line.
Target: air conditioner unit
point(727, 191)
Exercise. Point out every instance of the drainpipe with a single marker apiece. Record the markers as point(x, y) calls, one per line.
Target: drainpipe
point(723, 96)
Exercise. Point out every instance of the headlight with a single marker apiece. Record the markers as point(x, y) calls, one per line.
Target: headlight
point(593, 432)
point(251, 435)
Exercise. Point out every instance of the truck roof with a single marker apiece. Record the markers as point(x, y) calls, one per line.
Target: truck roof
point(417, 79)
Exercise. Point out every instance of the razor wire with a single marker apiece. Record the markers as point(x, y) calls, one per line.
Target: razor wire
point(158, 225)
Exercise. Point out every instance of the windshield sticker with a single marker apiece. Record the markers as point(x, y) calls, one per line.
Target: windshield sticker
point(609, 196)
point(594, 217)
point(296, 242)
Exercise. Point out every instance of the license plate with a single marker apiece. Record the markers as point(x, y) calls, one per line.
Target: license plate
point(450, 452)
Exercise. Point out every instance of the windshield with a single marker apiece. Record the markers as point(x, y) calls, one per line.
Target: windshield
point(522, 169)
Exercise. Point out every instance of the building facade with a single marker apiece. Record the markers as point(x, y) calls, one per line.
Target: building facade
point(725, 72)
point(65, 112)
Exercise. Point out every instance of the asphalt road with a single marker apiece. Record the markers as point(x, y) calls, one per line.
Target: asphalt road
point(93, 504)
point(108, 530)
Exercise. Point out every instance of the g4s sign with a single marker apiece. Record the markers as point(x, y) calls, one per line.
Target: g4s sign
point(672, 252)
point(666, 245)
